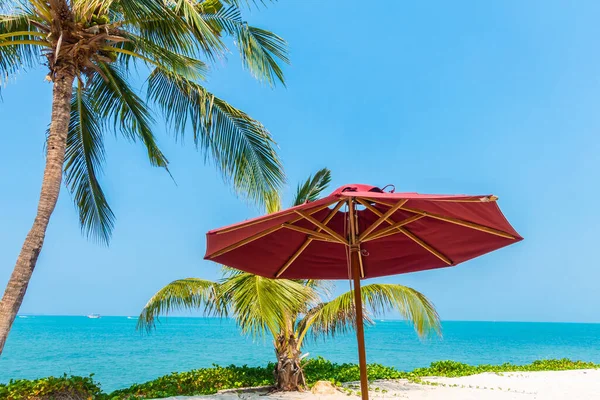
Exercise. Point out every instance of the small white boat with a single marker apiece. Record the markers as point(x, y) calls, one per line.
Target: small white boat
point(94, 316)
point(23, 316)
point(131, 318)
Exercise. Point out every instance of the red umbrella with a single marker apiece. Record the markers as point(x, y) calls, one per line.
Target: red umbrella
point(359, 232)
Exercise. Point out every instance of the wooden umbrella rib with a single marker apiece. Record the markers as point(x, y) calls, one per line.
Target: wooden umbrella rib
point(392, 229)
point(245, 241)
point(259, 234)
point(409, 234)
point(367, 199)
point(382, 218)
point(293, 258)
point(451, 220)
point(322, 239)
point(374, 210)
point(309, 240)
point(460, 222)
point(307, 231)
point(268, 218)
point(376, 237)
point(482, 199)
point(335, 209)
point(426, 246)
point(362, 268)
point(321, 225)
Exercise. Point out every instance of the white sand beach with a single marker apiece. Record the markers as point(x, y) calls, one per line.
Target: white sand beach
point(547, 385)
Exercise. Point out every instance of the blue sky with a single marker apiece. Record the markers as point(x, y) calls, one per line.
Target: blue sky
point(445, 97)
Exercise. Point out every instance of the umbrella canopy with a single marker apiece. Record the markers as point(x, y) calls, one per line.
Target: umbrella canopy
point(397, 233)
point(360, 231)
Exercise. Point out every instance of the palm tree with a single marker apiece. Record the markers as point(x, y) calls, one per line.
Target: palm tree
point(289, 310)
point(89, 48)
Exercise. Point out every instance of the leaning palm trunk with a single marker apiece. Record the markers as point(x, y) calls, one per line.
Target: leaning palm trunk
point(288, 371)
point(55, 155)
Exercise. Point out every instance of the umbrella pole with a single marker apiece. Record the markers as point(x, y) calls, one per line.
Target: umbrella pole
point(356, 274)
point(360, 332)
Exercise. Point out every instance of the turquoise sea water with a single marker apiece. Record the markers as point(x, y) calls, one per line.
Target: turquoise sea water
point(110, 347)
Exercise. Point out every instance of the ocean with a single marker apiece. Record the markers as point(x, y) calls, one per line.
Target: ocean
point(119, 356)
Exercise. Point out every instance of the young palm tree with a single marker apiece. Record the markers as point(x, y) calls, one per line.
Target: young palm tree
point(289, 310)
point(89, 48)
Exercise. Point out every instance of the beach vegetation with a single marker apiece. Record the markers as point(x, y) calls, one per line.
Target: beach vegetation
point(95, 52)
point(291, 311)
point(53, 388)
point(210, 380)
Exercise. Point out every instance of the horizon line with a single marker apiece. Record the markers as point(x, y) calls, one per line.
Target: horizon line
point(374, 319)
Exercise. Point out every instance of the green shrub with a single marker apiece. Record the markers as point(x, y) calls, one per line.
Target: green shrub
point(198, 381)
point(322, 369)
point(52, 388)
point(455, 369)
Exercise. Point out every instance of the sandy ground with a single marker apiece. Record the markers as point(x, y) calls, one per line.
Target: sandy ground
point(547, 385)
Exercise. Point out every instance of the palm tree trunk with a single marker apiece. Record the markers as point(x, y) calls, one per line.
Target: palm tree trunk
point(288, 371)
point(55, 155)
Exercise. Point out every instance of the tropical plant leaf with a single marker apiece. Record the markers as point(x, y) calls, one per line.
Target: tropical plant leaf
point(261, 304)
point(248, 3)
point(222, 17)
point(410, 303)
point(180, 63)
point(157, 22)
point(20, 45)
point(241, 147)
point(272, 202)
point(331, 318)
point(83, 161)
point(261, 53)
point(338, 315)
point(84, 10)
point(313, 187)
point(183, 294)
point(116, 100)
point(208, 38)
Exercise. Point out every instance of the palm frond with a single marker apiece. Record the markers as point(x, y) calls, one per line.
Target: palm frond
point(179, 63)
point(273, 202)
point(338, 315)
point(321, 286)
point(313, 187)
point(332, 318)
point(83, 161)
point(261, 304)
point(156, 22)
point(248, 3)
point(84, 10)
point(205, 33)
point(240, 146)
point(261, 52)
point(116, 100)
point(221, 16)
point(14, 22)
point(38, 8)
point(183, 294)
point(412, 305)
point(20, 45)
